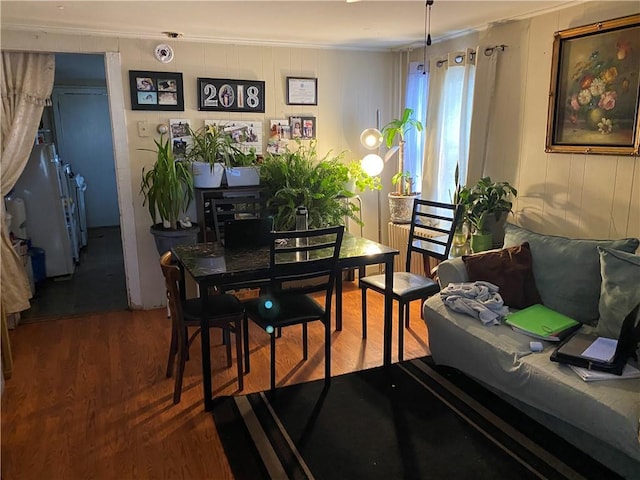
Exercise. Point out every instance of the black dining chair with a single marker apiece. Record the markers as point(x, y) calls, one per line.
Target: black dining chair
point(223, 311)
point(433, 225)
point(301, 262)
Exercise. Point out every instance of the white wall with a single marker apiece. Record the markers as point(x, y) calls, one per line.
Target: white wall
point(576, 195)
point(352, 85)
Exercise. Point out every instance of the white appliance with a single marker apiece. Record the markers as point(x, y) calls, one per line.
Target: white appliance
point(50, 210)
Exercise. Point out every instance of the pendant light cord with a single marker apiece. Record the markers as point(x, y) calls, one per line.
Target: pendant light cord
point(427, 33)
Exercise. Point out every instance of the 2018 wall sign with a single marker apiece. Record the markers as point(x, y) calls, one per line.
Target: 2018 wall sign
point(225, 95)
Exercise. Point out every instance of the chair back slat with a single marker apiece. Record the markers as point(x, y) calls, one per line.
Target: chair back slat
point(233, 208)
point(298, 257)
point(433, 226)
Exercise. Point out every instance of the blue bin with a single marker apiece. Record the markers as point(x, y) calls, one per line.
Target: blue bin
point(38, 264)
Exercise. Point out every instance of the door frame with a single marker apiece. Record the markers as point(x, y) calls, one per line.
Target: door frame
point(115, 93)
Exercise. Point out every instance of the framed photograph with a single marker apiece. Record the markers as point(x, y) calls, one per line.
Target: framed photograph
point(226, 95)
point(156, 90)
point(279, 136)
point(595, 85)
point(302, 91)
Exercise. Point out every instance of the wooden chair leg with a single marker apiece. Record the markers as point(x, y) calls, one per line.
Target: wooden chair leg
point(173, 349)
point(364, 313)
point(239, 340)
point(177, 389)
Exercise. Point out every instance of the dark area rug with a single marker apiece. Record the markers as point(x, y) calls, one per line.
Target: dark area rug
point(410, 420)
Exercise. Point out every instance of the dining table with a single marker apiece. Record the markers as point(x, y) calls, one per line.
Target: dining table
point(212, 265)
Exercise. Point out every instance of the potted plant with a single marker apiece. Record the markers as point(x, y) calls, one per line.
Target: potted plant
point(487, 205)
point(243, 169)
point(168, 191)
point(212, 149)
point(401, 201)
point(297, 177)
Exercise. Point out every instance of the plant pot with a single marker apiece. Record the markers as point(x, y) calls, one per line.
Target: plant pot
point(167, 239)
point(401, 207)
point(206, 177)
point(496, 227)
point(242, 176)
point(480, 242)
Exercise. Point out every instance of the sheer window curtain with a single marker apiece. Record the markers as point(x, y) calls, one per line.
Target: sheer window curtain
point(417, 87)
point(460, 96)
point(27, 82)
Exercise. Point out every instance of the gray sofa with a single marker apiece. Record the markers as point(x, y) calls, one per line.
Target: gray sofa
point(601, 418)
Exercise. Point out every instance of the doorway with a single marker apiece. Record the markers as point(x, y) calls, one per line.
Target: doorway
point(81, 129)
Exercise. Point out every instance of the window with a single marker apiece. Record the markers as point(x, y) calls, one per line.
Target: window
point(417, 86)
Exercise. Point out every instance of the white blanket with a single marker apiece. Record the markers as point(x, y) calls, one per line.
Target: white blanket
point(480, 300)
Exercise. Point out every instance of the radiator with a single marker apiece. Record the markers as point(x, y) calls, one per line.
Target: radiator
point(399, 239)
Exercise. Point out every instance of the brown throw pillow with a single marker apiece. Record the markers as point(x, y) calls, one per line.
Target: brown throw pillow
point(509, 269)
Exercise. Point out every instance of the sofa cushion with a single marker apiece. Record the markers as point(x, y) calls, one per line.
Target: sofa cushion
point(567, 271)
point(509, 269)
point(620, 290)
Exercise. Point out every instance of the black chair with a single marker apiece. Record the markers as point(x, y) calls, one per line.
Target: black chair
point(234, 208)
point(224, 311)
point(431, 233)
point(301, 262)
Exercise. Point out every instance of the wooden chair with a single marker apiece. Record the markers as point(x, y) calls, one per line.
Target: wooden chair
point(224, 311)
point(431, 234)
point(301, 262)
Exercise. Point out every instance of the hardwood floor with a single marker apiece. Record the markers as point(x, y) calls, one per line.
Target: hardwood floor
point(89, 398)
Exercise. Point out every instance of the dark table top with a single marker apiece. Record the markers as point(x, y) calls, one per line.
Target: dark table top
point(211, 262)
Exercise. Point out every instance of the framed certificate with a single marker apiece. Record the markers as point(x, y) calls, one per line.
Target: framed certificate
point(302, 91)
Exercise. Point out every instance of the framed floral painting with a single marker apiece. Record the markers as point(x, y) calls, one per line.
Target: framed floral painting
point(595, 86)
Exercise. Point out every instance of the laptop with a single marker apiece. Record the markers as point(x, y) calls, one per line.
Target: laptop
point(247, 232)
point(576, 350)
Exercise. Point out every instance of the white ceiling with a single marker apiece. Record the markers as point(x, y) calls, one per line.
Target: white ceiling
point(327, 23)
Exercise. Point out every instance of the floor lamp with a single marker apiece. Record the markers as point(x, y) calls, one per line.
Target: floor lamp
point(373, 163)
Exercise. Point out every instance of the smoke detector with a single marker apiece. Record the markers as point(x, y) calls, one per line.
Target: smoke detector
point(164, 53)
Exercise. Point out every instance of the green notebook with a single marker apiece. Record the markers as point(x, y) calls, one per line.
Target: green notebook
point(542, 322)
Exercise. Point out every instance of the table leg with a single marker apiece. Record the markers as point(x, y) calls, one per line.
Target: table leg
point(206, 350)
point(339, 301)
point(388, 313)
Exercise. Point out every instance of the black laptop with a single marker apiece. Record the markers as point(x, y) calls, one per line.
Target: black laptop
point(247, 232)
point(572, 350)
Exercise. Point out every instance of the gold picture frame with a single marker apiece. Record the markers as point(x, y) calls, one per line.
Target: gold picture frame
point(595, 88)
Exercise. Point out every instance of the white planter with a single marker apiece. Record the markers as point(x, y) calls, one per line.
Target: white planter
point(206, 177)
point(242, 176)
point(401, 208)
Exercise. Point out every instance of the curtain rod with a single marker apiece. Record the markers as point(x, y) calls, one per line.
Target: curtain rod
point(487, 51)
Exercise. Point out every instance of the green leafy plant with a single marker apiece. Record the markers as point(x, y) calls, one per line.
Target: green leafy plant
point(361, 179)
point(212, 144)
point(486, 198)
point(246, 159)
point(167, 187)
point(399, 127)
point(299, 177)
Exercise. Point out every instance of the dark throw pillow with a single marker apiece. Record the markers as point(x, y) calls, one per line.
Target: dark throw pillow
point(510, 269)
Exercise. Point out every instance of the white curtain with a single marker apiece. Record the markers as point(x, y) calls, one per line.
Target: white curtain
point(417, 87)
point(27, 82)
point(460, 93)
